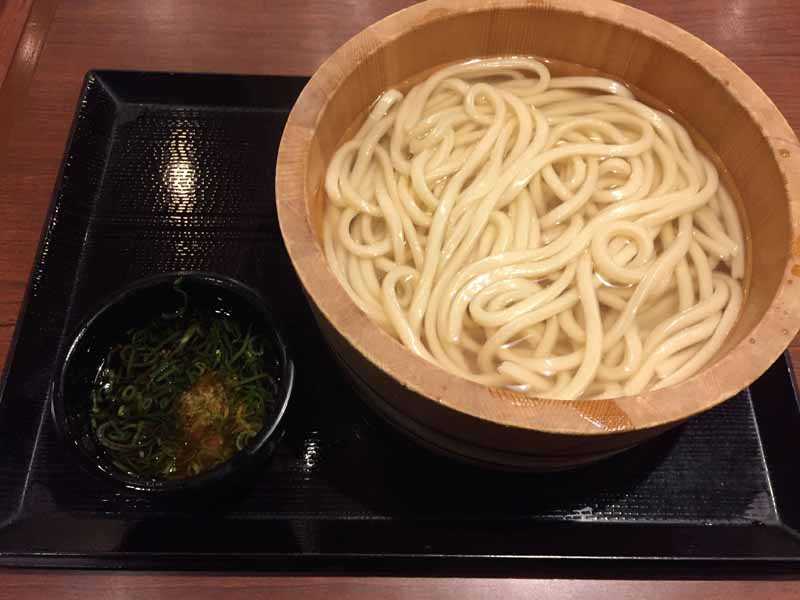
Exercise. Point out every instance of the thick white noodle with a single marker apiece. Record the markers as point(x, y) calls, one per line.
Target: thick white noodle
point(552, 234)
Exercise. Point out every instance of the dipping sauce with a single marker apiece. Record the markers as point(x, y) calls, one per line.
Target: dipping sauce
point(181, 395)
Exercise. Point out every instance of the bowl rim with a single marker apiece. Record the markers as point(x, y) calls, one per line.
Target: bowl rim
point(728, 375)
point(206, 479)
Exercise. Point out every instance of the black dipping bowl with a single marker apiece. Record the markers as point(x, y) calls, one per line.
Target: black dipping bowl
point(134, 308)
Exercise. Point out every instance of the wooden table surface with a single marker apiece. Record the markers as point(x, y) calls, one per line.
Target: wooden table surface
point(46, 46)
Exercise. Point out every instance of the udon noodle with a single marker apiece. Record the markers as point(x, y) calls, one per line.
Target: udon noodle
point(549, 234)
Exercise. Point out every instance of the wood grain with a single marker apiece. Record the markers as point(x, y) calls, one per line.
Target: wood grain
point(26, 25)
point(706, 90)
point(20, 585)
point(279, 36)
point(271, 36)
point(13, 15)
point(761, 36)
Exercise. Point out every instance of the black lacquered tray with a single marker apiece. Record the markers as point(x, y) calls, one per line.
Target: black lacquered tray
point(171, 172)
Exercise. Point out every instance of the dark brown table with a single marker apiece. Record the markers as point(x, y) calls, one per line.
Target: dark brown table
point(46, 46)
